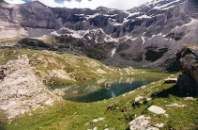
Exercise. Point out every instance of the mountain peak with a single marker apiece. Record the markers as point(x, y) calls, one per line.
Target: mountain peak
point(36, 3)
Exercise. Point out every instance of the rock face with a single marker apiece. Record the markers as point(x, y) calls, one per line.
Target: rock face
point(145, 36)
point(20, 89)
point(94, 43)
point(188, 81)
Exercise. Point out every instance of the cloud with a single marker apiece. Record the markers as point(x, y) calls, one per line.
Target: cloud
point(15, 1)
point(119, 4)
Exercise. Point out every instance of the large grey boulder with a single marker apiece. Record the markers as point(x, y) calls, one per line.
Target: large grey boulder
point(188, 80)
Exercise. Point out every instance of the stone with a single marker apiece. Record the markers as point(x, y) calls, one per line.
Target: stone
point(176, 105)
point(159, 125)
point(156, 109)
point(95, 128)
point(152, 128)
point(170, 80)
point(141, 123)
point(106, 129)
point(189, 99)
point(98, 119)
point(140, 100)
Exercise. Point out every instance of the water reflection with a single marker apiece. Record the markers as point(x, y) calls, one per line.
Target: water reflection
point(104, 89)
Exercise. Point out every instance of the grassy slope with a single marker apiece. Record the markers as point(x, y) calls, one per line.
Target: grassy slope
point(77, 69)
point(78, 116)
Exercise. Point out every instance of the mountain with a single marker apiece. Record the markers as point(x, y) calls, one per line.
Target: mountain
point(145, 36)
point(53, 76)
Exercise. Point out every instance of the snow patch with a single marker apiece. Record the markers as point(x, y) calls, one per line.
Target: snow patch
point(165, 6)
point(113, 52)
point(192, 22)
point(143, 40)
point(133, 14)
point(144, 17)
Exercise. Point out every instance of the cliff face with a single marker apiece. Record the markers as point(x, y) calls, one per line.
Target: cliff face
point(188, 81)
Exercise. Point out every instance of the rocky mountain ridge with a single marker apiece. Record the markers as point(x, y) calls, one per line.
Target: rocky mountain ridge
point(145, 36)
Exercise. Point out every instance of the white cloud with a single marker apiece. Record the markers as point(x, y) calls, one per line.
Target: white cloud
point(15, 1)
point(119, 4)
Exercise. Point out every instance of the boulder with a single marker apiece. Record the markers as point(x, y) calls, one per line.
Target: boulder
point(142, 123)
point(156, 109)
point(188, 81)
point(170, 80)
point(140, 100)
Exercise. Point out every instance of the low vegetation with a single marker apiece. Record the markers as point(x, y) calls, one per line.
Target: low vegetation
point(116, 113)
point(58, 70)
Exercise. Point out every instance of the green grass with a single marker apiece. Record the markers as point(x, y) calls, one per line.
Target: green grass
point(78, 116)
point(70, 115)
point(79, 69)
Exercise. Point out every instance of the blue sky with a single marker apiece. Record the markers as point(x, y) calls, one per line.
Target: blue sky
point(119, 4)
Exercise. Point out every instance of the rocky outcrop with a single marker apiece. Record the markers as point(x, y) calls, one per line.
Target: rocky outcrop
point(142, 123)
point(188, 80)
point(20, 89)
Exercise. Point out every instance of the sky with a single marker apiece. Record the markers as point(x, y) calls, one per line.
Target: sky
point(118, 4)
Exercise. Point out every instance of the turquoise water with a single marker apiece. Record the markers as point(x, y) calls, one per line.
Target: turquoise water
point(93, 92)
point(112, 91)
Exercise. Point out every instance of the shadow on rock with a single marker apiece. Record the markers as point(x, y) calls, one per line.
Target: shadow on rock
point(176, 92)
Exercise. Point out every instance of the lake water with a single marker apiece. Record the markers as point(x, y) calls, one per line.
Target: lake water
point(90, 92)
point(106, 93)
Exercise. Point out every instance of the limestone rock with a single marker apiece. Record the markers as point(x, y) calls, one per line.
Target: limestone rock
point(176, 105)
point(170, 80)
point(156, 109)
point(98, 119)
point(189, 99)
point(21, 90)
point(141, 123)
point(140, 100)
